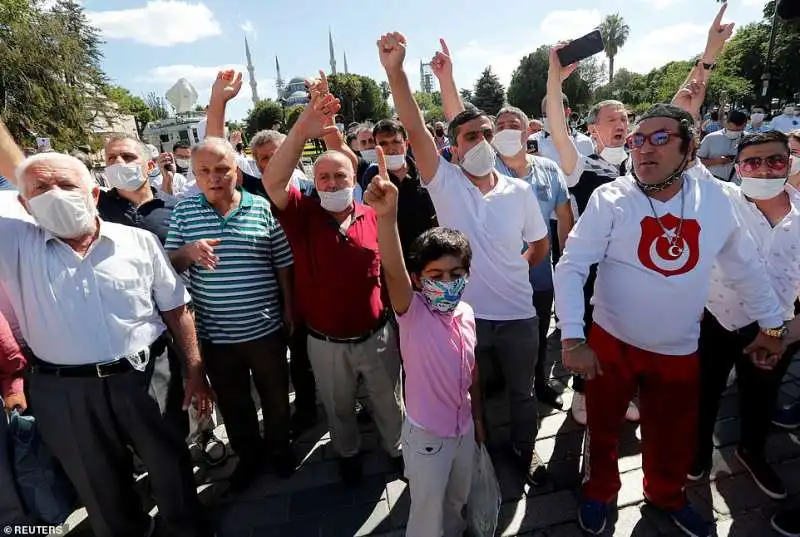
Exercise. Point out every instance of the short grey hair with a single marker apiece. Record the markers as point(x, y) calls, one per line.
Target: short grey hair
point(212, 142)
point(513, 110)
point(265, 137)
point(60, 159)
point(564, 102)
point(141, 147)
point(591, 119)
point(364, 127)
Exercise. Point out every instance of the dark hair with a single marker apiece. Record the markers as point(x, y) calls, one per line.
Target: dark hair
point(564, 102)
point(760, 138)
point(240, 146)
point(714, 115)
point(180, 145)
point(435, 244)
point(684, 119)
point(350, 137)
point(737, 118)
point(390, 127)
point(464, 117)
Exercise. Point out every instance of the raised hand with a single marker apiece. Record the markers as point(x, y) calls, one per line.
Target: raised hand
point(442, 62)
point(226, 86)
point(691, 96)
point(718, 35)
point(381, 193)
point(392, 50)
point(317, 119)
point(556, 71)
point(318, 85)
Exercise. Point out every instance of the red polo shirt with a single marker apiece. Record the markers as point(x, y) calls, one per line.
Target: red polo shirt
point(337, 275)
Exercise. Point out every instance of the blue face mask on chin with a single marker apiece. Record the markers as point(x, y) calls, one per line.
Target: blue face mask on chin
point(443, 296)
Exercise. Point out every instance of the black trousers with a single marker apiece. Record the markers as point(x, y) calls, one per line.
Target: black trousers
point(305, 389)
point(720, 350)
point(543, 302)
point(229, 367)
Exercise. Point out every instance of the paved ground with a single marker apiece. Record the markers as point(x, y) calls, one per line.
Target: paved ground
point(314, 503)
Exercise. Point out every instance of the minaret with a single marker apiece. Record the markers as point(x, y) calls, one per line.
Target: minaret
point(332, 52)
point(252, 71)
point(279, 79)
point(345, 64)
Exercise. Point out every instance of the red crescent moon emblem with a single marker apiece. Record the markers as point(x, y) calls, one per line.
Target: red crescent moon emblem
point(658, 254)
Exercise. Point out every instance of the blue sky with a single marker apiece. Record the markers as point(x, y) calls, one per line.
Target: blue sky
point(152, 43)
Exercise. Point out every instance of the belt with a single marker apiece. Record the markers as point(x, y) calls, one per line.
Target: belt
point(106, 369)
point(351, 340)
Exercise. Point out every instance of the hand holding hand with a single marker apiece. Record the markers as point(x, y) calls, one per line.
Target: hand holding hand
point(226, 86)
point(392, 50)
point(557, 73)
point(202, 252)
point(442, 62)
point(718, 34)
point(381, 193)
point(580, 359)
point(765, 351)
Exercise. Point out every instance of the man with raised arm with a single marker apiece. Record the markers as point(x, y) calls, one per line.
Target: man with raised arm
point(335, 243)
point(496, 213)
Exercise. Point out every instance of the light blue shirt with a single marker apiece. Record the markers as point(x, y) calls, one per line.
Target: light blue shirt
point(5, 184)
point(550, 188)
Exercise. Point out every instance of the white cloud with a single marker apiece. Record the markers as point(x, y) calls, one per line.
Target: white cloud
point(474, 58)
point(198, 75)
point(676, 42)
point(160, 23)
point(660, 5)
point(562, 25)
point(248, 28)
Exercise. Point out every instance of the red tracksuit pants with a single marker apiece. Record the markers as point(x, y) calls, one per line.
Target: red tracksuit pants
point(668, 389)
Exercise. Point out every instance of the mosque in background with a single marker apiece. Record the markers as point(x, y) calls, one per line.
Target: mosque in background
point(290, 93)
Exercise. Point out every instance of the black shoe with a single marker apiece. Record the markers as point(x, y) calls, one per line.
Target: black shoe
point(214, 453)
point(698, 471)
point(302, 421)
point(350, 470)
point(549, 396)
point(535, 470)
point(763, 474)
point(243, 476)
point(285, 464)
point(787, 523)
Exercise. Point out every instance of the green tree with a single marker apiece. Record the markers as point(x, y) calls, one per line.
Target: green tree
point(266, 114)
point(131, 104)
point(615, 34)
point(529, 82)
point(158, 105)
point(466, 94)
point(291, 116)
point(489, 94)
point(385, 90)
point(361, 97)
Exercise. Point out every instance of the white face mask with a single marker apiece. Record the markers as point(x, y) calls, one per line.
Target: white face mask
point(733, 135)
point(336, 202)
point(125, 176)
point(395, 162)
point(184, 163)
point(757, 117)
point(614, 155)
point(762, 189)
point(508, 142)
point(795, 166)
point(479, 161)
point(65, 214)
point(370, 155)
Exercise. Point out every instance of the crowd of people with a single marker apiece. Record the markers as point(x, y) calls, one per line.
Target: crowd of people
point(417, 272)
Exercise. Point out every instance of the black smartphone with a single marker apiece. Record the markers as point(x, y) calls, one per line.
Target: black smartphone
point(533, 146)
point(581, 48)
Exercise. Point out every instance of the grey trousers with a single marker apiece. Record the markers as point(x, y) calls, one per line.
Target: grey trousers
point(515, 344)
point(337, 367)
point(439, 472)
point(88, 424)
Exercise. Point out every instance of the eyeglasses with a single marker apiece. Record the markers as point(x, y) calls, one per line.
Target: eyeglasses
point(656, 139)
point(776, 163)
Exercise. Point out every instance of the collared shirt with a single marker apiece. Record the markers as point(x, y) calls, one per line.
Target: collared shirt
point(717, 145)
point(254, 184)
point(438, 353)
point(764, 127)
point(10, 207)
point(101, 307)
point(496, 224)
point(343, 266)
point(415, 211)
point(153, 215)
point(785, 124)
point(779, 250)
point(239, 300)
point(590, 173)
point(550, 188)
point(5, 184)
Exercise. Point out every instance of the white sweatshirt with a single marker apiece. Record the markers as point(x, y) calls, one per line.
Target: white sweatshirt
point(648, 294)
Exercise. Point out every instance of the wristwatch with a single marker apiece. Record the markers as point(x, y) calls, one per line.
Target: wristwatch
point(707, 66)
point(778, 333)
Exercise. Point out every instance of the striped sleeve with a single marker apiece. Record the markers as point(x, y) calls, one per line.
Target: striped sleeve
point(279, 246)
point(175, 239)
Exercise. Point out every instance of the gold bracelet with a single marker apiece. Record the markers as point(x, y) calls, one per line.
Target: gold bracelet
point(576, 346)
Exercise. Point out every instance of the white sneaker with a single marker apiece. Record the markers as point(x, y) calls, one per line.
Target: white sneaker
point(632, 414)
point(579, 408)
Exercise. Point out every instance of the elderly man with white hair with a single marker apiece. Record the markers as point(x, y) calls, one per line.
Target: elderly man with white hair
point(241, 289)
point(335, 241)
point(92, 299)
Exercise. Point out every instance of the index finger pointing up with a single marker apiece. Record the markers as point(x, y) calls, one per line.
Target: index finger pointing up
point(381, 162)
point(718, 19)
point(444, 47)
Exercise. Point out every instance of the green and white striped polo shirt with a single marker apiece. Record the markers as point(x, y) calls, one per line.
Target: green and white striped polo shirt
point(240, 299)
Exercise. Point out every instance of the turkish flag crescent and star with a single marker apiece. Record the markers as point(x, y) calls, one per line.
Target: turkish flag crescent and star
point(655, 251)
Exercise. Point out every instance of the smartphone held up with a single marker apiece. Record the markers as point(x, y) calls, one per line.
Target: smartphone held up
point(581, 48)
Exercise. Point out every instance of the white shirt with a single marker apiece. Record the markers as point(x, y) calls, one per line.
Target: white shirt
point(547, 148)
point(12, 208)
point(496, 225)
point(785, 124)
point(74, 310)
point(779, 252)
point(647, 294)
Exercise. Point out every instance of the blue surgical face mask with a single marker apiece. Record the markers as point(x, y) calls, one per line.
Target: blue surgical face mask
point(443, 296)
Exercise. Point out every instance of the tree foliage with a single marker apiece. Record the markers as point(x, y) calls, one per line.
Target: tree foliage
point(131, 104)
point(266, 114)
point(158, 105)
point(615, 33)
point(361, 97)
point(292, 114)
point(489, 94)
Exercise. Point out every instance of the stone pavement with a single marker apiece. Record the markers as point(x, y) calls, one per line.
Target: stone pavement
point(314, 503)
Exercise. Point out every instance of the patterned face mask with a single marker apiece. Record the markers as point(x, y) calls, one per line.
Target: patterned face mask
point(441, 295)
